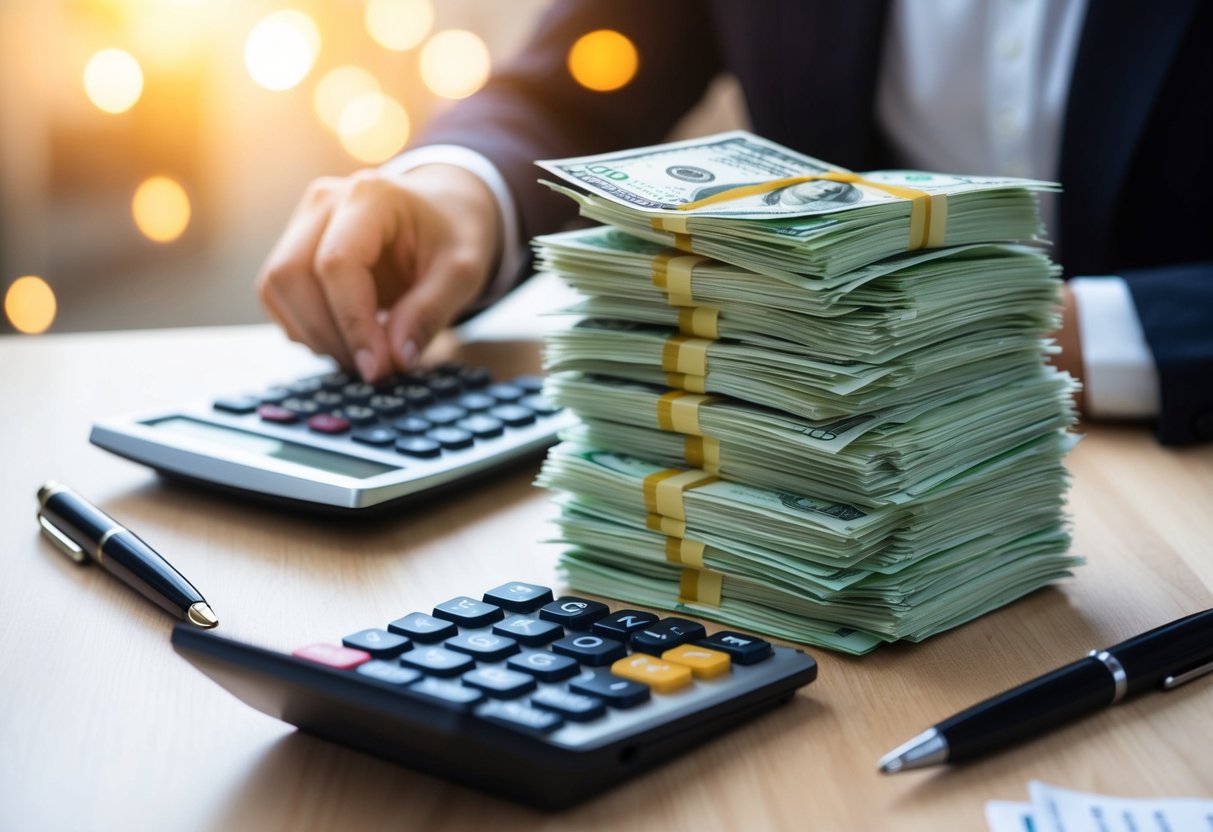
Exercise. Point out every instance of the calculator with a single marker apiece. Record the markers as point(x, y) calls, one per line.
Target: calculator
point(335, 444)
point(540, 700)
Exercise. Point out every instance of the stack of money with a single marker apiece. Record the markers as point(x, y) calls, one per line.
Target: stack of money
point(813, 404)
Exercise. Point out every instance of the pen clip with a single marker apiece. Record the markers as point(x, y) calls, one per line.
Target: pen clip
point(1172, 682)
point(62, 542)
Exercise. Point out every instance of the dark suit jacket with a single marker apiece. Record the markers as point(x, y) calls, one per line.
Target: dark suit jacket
point(1135, 157)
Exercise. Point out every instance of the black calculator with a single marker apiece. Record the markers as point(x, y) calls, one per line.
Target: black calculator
point(540, 700)
point(333, 443)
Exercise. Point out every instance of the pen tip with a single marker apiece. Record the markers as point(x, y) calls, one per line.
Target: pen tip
point(201, 615)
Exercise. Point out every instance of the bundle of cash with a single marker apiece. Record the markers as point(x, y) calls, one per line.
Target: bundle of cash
point(813, 403)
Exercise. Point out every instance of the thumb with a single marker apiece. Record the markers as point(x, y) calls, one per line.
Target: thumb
point(446, 285)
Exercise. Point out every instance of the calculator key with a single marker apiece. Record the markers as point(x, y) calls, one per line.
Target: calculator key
point(447, 368)
point(533, 632)
point(742, 648)
point(304, 386)
point(334, 381)
point(483, 647)
point(529, 384)
point(379, 643)
point(616, 692)
point(418, 446)
point(520, 717)
point(327, 423)
point(591, 650)
point(300, 407)
point(275, 395)
point(514, 415)
point(505, 393)
point(451, 438)
point(240, 405)
point(666, 634)
point(414, 395)
point(473, 378)
point(622, 623)
point(412, 425)
point(661, 676)
point(374, 436)
point(276, 414)
point(572, 612)
point(331, 655)
point(518, 596)
point(387, 406)
point(545, 666)
point(389, 672)
point(468, 612)
point(423, 628)
point(704, 662)
point(360, 414)
point(475, 402)
point(500, 682)
point(540, 404)
point(481, 426)
point(444, 414)
point(358, 392)
point(329, 399)
point(445, 694)
point(438, 661)
point(444, 386)
point(573, 706)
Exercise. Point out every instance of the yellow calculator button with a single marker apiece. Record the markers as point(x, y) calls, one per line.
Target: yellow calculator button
point(703, 662)
point(663, 677)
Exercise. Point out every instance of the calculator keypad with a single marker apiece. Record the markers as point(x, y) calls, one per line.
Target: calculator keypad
point(524, 671)
point(421, 415)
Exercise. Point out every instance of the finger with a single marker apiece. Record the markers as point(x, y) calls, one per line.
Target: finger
point(449, 283)
point(352, 243)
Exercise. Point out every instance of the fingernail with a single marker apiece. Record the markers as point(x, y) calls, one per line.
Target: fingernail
point(408, 352)
point(365, 360)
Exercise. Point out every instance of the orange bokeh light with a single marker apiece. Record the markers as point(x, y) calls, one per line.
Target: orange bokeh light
point(603, 60)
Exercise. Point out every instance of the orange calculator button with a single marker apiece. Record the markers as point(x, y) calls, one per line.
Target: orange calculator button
point(704, 662)
point(663, 677)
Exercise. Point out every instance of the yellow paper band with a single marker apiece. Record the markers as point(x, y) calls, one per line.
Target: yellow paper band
point(703, 452)
point(678, 411)
point(928, 214)
point(684, 381)
point(700, 321)
point(685, 552)
point(666, 525)
point(672, 272)
point(686, 355)
point(663, 490)
point(671, 223)
point(700, 586)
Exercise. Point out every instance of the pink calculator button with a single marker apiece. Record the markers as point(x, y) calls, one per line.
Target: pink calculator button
point(333, 655)
point(274, 413)
point(327, 423)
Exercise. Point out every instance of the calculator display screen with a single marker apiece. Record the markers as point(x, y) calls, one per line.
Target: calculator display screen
point(256, 443)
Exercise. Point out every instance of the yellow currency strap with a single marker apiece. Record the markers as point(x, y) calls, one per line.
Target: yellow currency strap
point(699, 321)
point(666, 525)
point(685, 355)
point(663, 490)
point(678, 411)
point(928, 213)
point(688, 382)
point(700, 586)
point(672, 272)
point(703, 452)
point(684, 551)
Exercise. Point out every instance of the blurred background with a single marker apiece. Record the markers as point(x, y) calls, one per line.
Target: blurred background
point(152, 150)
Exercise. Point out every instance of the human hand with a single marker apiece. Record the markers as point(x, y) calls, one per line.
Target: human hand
point(373, 265)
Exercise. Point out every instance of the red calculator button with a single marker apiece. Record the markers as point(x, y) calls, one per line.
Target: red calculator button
point(274, 413)
point(333, 655)
point(327, 423)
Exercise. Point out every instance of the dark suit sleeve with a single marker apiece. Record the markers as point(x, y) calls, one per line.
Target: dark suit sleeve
point(1175, 305)
point(532, 109)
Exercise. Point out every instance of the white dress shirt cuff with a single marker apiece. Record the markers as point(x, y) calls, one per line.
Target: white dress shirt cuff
point(1120, 380)
point(475, 163)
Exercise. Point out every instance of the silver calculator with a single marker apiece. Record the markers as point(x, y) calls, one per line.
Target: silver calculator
point(335, 444)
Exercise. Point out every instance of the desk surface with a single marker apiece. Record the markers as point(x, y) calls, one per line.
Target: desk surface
point(102, 726)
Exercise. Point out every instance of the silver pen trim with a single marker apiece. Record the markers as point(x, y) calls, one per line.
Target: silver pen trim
point(930, 748)
point(1117, 670)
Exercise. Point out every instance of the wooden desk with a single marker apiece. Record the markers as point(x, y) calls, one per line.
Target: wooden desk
point(102, 726)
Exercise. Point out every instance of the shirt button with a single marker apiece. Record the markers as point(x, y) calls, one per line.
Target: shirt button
point(1010, 48)
point(1009, 123)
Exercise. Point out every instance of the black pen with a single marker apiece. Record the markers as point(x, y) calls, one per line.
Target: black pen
point(1163, 658)
point(84, 532)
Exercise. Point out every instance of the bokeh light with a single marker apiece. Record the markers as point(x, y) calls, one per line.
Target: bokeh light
point(399, 24)
point(338, 88)
point(113, 80)
point(373, 127)
point(161, 209)
point(281, 49)
point(30, 305)
point(454, 63)
point(603, 60)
